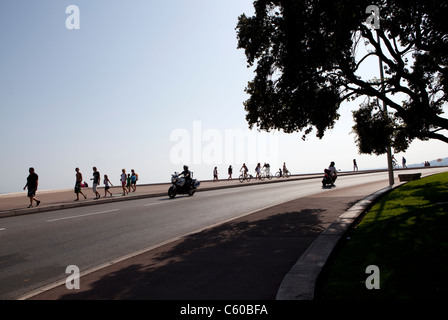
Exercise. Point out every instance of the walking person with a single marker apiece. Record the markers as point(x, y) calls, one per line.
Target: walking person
point(78, 185)
point(128, 182)
point(96, 182)
point(355, 165)
point(107, 185)
point(123, 181)
point(230, 171)
point(134, 179)
point(32, 181)
point(215, 174)
point(403, 162)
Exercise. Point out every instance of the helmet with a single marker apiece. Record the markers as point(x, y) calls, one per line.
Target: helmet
point(185, 167)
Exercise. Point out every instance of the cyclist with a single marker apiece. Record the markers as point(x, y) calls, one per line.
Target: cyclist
point(394, 162)
point(267, 168)
point(244, 170)
point(285, 171)
point(258, 171)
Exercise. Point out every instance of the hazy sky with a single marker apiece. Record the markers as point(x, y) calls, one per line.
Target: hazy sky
point(144, 85)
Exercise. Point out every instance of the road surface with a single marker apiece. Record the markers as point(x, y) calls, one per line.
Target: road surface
point(36, 249)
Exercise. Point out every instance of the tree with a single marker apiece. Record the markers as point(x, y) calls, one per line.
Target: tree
point(306, 59)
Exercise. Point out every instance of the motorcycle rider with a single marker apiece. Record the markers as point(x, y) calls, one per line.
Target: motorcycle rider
point(332, 172)
point(187, 175)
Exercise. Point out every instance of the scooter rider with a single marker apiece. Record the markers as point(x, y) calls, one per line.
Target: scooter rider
point(333, 172)
point(187, 175)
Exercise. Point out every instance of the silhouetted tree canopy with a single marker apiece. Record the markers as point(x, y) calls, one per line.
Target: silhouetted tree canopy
point(307, 56)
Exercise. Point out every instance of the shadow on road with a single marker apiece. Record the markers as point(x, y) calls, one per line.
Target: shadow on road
point(243, 259)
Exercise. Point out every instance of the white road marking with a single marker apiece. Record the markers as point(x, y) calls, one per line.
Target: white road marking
point(1, 229)
point(152, 204)
point(83, 215)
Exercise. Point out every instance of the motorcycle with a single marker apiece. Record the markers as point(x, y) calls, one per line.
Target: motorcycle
point(327, 180)
point(179, 186)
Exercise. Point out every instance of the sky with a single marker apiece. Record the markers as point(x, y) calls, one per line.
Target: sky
point(144, 85)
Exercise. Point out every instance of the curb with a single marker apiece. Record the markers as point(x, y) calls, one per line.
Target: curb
point(299, 283)
point(21, 212)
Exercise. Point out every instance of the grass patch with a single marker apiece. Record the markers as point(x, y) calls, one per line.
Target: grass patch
point(405, 235)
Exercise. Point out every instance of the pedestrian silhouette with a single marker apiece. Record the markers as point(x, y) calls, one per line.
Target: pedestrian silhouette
point(107, 185)
point(355, 165)
point(78, 184)
point(32, 183)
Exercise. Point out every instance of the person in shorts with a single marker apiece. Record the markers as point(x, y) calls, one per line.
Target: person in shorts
point(230, 171)
point(107, 185)
point(123, 181)
point(78, 185)
point(134, 178)
point(96, 182)
point(31, 183)
point(128, 182)
point(215, 174)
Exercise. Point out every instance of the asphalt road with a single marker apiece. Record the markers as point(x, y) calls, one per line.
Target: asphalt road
point(36, 249)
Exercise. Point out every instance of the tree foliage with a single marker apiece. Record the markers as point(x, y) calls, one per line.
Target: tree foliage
point(306, 55)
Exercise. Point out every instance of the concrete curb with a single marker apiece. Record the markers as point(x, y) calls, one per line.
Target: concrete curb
point(299, 283)
point(20, 212)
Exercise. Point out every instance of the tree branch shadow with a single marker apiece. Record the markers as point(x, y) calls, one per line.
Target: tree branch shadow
point(242, 259)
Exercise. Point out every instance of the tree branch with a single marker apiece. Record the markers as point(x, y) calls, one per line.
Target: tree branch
point(433, 135)
point(362, 60)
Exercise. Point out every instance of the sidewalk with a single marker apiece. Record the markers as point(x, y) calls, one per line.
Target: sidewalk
point(243, 259)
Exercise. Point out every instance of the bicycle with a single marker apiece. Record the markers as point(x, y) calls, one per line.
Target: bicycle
point(280, 174)
point(266, 174)
point(394, 164)
point(246, 177)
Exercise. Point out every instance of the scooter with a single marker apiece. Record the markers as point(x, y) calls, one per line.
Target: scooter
point(179, 186)
point(327, 180)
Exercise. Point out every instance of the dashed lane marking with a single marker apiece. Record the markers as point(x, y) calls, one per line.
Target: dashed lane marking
point(83, 215)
